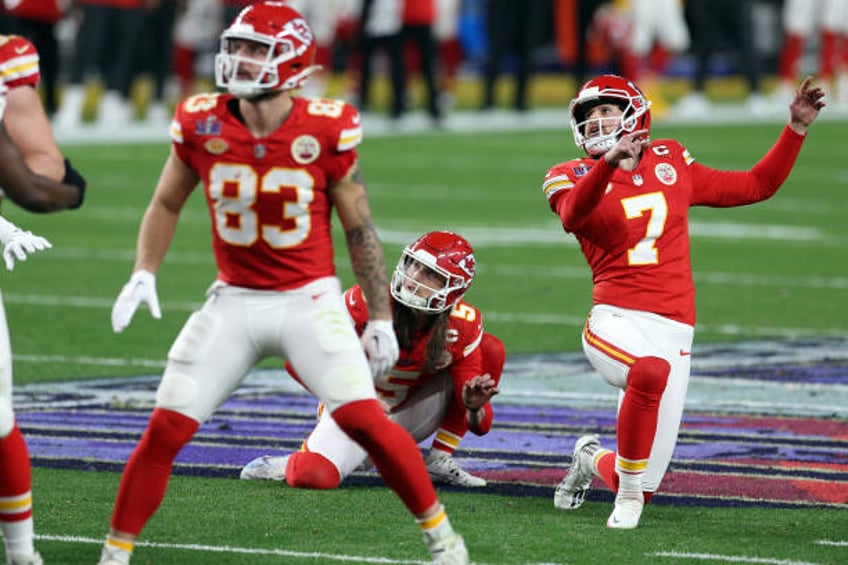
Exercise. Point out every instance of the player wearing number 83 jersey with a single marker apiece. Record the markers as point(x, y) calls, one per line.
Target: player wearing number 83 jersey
point(273, 166)
point(268, 197)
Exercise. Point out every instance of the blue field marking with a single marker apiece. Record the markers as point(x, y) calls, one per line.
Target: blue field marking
point(762, 427)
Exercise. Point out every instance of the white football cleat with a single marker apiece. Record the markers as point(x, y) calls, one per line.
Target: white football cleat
point(442, 468)
point(450, 550)
point(265, 468)
point(571, 491)
point(34, 559)
point(114, 556)
point(627, 511)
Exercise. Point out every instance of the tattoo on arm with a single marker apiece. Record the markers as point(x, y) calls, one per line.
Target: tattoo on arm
point(369, 267)
point(357, 175)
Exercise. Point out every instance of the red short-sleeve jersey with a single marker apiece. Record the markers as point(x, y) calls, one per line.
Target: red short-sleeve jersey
point(462, 355)
point(268, 198)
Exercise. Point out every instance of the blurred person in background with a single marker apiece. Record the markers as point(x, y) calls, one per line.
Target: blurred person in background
point(107, 41)
point(512, 28)
point(36, 20)
point(449, 50)
point(627, 203)
point(447, 372)
point(801, 20)
point(19, 73)
point(652, 32)
point(196, 34)
point(418, 18)
point(272, 168)
point(381, 33)
point(714, 24)
point(155, 57)
point(324, 17)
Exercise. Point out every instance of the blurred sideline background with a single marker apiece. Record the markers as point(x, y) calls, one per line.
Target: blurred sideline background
point(117, 65)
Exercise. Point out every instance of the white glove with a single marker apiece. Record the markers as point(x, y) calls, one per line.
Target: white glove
point(17, 243)
point(381, 346)
point(140, 288)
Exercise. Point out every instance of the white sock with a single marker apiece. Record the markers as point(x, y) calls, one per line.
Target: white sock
point(18, 537)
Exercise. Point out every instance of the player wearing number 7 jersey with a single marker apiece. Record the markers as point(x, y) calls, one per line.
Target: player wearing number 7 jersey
point(273, 167)
point(627, 203)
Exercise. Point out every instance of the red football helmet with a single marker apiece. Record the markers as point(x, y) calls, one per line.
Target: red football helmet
point(440, 256)
point(291, 50)
point(608, 89)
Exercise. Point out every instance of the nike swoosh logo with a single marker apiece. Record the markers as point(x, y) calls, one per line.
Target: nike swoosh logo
point(351, 300)
point(318, 295)
point(21, 50)
point(685, 353)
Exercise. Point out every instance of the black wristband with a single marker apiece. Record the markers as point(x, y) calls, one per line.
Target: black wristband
point(73, 177)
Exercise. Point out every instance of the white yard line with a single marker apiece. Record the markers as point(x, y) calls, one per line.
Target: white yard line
point(727, 558)
point(835, 543)
point(311, 556)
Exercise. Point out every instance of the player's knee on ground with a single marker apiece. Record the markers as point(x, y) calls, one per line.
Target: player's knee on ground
point(649, 375)
point(311, 470)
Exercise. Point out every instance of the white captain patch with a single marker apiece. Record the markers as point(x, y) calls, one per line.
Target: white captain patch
point(666, 173)
point(305, 149)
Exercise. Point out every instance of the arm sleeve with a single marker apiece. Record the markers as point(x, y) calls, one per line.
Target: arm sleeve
point(737, 188)
point(573, 206)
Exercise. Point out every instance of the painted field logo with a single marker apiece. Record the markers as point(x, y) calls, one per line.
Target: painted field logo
point(762, 425)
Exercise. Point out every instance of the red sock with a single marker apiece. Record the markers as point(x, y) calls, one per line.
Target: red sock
point(605, 466)
point(827, 55)
point(630, 65)
point(146, 474)
point(393, 451)
point(658, 59)
point(793, 45)
point(637, 416)
point(15, 475)
point(311, 470)
point(606, 469)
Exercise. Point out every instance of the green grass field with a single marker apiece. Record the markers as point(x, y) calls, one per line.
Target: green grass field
point(772, 270)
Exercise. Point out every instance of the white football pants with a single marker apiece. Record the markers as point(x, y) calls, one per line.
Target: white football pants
point(633, 334)
point(239, 327)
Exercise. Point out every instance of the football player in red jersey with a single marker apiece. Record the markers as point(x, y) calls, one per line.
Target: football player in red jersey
point(627, 203)
point(447, 372)
point(272, 166)
point(36, 194)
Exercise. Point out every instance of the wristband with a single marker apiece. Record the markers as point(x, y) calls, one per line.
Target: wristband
point(73, 177)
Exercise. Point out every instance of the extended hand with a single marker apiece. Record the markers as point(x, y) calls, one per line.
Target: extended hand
point(140, 288)
point(478, 391)
point(628, 146)
point(19, 244)
point(805, 105)
point(381, 346)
